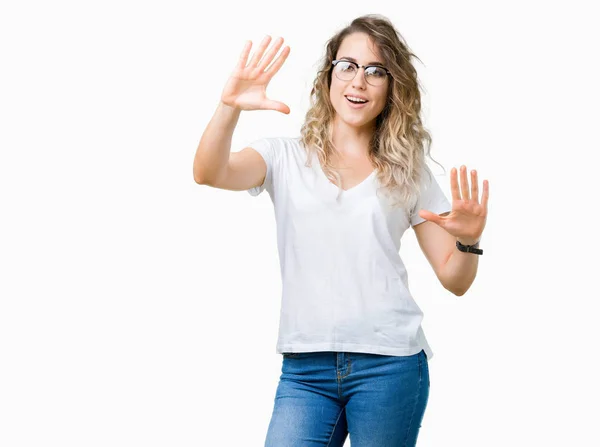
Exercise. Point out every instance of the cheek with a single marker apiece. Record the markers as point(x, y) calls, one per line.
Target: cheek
point(335, 91)
point(381, 102)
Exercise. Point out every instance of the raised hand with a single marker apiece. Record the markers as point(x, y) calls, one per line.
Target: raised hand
point(246, 89)
point(467, 219)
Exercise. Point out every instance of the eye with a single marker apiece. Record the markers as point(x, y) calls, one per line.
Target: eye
point(345, 66)
point(376, 72)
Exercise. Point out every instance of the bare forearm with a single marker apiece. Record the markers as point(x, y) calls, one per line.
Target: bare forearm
point(460, 270)
point(214, 148)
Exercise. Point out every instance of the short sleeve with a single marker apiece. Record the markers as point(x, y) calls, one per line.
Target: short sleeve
point(265, 147)
point(431, 198)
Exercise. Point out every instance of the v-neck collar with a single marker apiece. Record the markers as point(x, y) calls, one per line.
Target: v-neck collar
point(344, 192)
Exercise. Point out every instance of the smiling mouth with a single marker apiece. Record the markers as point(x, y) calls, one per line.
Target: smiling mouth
point(356, 102)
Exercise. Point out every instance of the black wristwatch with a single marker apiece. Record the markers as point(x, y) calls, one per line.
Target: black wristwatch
point(469, 248)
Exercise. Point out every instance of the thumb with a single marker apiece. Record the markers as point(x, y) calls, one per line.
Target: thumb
point(428, 215)
point(276, 105)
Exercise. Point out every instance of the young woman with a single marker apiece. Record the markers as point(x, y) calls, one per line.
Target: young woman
point(355, 358)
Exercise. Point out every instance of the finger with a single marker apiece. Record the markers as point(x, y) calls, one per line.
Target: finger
point(485, 195)
point(464, 184)
point(275, 105)
point(454, 184)
point(244, 56)
point(259, 52)
point(432, 217)
point(274, 68)
point(271, 54)
point(474, 186)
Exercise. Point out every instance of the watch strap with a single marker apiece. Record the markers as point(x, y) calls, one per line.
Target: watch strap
point(469, 248)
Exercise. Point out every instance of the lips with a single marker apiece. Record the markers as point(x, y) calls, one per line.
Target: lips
point(357, 96)
point(356, 105)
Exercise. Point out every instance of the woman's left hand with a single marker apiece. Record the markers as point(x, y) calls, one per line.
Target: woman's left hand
point(467, 219)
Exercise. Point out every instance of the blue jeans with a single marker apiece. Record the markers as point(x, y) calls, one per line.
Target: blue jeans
point(323, 397)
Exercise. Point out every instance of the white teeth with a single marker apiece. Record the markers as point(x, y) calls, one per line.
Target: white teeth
point(352, 98)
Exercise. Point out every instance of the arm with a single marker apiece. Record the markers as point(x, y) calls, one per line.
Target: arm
point(455, 270)
point(245, 90)
point(438, 235)
point(213, 151)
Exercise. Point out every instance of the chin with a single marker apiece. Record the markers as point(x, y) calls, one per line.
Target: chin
point(356, 121)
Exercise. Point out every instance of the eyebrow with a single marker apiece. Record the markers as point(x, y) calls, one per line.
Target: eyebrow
point(355, 61)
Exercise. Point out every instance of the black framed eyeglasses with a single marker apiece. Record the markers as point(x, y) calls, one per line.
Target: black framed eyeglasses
point(346, 71)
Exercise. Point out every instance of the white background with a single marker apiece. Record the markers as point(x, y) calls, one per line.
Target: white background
point(141, 309)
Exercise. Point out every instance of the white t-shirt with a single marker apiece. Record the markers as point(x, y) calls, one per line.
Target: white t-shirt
point(344, 285)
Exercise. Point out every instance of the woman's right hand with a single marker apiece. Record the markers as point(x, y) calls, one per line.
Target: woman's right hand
point(246, 88)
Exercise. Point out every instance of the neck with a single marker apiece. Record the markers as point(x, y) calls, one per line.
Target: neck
point(352, 141)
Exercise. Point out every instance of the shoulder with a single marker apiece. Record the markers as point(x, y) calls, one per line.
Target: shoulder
point(287, 142)
point(277, 149)
point(429, 181)
point(281, 146)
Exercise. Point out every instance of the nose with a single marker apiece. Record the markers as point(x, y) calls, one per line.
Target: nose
point(359, 79)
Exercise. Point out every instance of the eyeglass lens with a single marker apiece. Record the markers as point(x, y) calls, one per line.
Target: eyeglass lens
point(346, 71)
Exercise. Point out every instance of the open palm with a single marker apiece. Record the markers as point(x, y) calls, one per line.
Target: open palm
point(467, 219)
point(246, 88)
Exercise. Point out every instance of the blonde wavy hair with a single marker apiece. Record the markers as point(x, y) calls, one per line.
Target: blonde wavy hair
point(400, 142)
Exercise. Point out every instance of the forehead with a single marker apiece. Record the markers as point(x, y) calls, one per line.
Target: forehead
point(360, 47)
